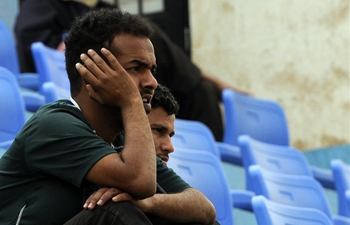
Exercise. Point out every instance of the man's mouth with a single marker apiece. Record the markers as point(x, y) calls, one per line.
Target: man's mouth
point(164, 159)
point(146, 99)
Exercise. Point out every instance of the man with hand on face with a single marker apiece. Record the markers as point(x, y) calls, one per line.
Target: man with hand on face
point(174, 203)
point(66, 145)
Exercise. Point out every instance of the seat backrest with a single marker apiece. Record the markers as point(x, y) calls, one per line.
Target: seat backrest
point(270, 213)
point(294, 190)
point(203, 171)
point(12, 110)
point(341, 174)
point(194, 135)
point(51, 66)
point(8, 53)
point(261, 119)
point(276, 158)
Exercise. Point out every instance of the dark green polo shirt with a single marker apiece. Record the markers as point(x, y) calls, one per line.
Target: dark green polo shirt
point(42, 173)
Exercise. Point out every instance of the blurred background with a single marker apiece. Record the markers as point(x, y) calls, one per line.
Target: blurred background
point(294, 52)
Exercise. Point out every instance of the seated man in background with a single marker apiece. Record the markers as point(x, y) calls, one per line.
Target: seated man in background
point(174, 202)
point(162, 121)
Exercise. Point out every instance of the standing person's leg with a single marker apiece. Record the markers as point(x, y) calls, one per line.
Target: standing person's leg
point(111, 213)
point(202, 104)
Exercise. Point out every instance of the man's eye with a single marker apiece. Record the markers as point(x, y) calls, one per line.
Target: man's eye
point(158, 130)
point(137, 68)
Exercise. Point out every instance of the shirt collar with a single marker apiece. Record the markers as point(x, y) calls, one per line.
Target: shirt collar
point(75, 103)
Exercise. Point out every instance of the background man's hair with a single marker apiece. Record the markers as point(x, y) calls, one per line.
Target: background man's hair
point(164, 98)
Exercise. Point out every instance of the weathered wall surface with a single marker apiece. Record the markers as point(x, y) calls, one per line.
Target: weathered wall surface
point(295, 52)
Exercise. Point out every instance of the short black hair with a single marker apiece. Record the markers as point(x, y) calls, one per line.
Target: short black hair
point(165, 99)
point(95, 30)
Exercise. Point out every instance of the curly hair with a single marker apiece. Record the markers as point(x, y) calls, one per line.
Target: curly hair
point(95, 30)
point(164, 98)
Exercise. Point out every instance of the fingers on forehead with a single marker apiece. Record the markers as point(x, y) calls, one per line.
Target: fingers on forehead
point(111, 58)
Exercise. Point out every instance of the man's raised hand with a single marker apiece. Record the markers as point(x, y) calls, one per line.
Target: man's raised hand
point(108, 84)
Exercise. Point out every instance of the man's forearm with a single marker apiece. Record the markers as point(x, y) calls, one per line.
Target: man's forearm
point(189, 205)
point(138, 146)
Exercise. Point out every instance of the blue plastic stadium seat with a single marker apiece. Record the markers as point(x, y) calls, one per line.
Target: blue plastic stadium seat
point(279, 158)
point(51, 67)
point(341, 173)
point(261, 119)
point(271, 213)
point(293, 190)
point(52, 92)
point(203, 171)
point(9, 59)
point(27, 81)
point(12, 110)
point(196, 135)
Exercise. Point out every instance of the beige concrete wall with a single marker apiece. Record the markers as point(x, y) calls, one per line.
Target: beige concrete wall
point(295, 52)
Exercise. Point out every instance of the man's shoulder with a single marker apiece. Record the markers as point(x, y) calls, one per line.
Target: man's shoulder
point(59, 112)
point(60, 107)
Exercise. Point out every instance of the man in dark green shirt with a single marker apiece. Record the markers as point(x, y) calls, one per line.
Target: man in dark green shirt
point(66, 145)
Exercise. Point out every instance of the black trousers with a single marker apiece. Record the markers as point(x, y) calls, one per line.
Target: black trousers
point(202, 104)
point(121, 213)
point(111, 213)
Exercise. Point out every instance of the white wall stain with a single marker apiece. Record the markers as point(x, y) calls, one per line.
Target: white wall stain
point(295, 52)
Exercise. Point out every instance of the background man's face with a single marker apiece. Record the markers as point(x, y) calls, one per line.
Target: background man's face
point(162, 126)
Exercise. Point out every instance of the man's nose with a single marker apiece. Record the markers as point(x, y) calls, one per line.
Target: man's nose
point(149, 81)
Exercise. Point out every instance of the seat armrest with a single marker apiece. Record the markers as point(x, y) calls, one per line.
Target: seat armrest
point(340, 220)
point(32, 100)
point(242, 199)
point(324, 176)
point(28, 80)
point(229, 153)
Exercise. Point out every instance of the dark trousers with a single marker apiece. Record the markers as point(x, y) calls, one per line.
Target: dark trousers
point(121, 213)
point(202, 104)
point(111, 213)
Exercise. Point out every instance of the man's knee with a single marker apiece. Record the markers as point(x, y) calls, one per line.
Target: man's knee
point(111, 213)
